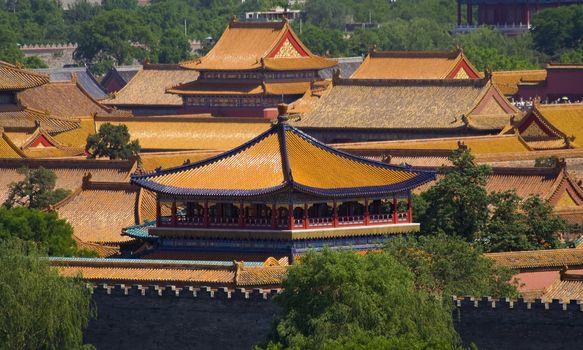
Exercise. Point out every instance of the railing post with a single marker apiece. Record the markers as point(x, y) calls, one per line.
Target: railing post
point(241, 214)
point(174, 219)
point(395, 212)
point(306, 215)
point(366, 221)
point(290, 214)
point(158, 212)
point(206, 213)
point(335, 214)
point(274, 215)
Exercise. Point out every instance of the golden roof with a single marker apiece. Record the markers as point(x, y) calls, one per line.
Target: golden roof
point(9, 149)
point(539, 258)
point(65, 99)
point(286, 158)
point(197, 273)
point(18, 118)
point(414, 65)
point(508, 81)
point(14, 78)
point(163, 160)
point(98, 213)
point(70, 172)
point(189, 132)
point(257, 45)
point(148, 87)
point(565, 120)
point(490, 144)
point(411, 104)
point(77, 137)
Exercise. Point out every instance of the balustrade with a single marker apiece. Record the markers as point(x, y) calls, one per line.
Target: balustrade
point(281, 221)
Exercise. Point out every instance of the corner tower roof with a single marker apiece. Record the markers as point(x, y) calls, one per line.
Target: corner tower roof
point(284, 158)
point(256, 45)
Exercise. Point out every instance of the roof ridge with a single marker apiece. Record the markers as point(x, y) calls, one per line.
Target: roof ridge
point(478, 83)
point(415, 54)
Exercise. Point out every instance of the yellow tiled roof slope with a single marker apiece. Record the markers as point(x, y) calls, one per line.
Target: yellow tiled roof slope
point(246, 46)
point(284, 156)
point(477, 144)
point(565, 118)
point(188, 133)
point(409, 104)
point(539, 258)
point(148, 87)
point(507, 81)
point(408, 65)
point(7, 148)
point(14, 78)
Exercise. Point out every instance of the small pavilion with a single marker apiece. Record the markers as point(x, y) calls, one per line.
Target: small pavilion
point(280, 194)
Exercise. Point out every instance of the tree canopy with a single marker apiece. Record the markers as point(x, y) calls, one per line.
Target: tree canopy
point(335, 299)
point(36, 190)
point(459, 205)
point(40, 309)
point(112, 141)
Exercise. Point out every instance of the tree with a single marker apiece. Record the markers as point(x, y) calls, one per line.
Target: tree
point(444, 266)
point(112, 141)
point(333, 299)
point(120, 35)
point(458, 203)
point(40, 309)
point(41, 227)
point(174, 47)
point(36, 190)
point(557, 29)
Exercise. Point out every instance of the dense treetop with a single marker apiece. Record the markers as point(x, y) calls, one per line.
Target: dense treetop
point(119, 31)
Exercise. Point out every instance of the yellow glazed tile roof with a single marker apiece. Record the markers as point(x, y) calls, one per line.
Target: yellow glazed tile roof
point(77, 137)
point(477, 144)
point(14, 78)
point(248, 45)
point(409, 104)
point(148, 87)
point(188, 133)
point(409, 65)
point(539, 258)
point(508, 81)
point(98, 215)
point(70, 172)
point(9, 149)
point(567, 119)
point(285, 157)
point(163, 160)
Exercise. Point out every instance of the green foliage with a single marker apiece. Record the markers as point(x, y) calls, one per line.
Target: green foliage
point(112, 141)
point(40, 309)
point(559, 29)
point(444, 266)
point(174, 47)
point(338, 299)
point(118, 35)
point(458, 203)
point(36, 190)
point(42, 227)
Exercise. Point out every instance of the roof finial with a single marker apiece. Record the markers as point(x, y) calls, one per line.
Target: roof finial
point(488, 73)
point(282, 115)
point(233, 19)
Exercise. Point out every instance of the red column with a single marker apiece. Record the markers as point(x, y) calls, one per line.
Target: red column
point(158, 212)
point(409, 209)
point(291, 216)
point(527, 14)
point(174, 220)
point(459, 13)
point(241, 214)
point(274, 215)
point(395, 213)
point(335, 214)
point(306, 215)
point(206, 213)
point(366, 211)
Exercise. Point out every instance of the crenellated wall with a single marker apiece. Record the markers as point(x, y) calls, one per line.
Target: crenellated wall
point(182, 317)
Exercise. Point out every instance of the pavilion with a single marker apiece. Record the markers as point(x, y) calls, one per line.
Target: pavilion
point(279, 194)
point(252, 68)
